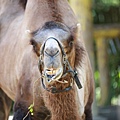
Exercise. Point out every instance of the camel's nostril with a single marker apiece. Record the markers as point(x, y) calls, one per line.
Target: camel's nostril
point(52, 48)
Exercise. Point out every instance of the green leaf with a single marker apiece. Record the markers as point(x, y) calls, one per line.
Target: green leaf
point(30, 108)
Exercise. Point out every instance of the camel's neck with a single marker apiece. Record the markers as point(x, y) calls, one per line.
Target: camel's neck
point(63, 106)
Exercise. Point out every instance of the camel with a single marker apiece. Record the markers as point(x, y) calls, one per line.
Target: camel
point(44, 65)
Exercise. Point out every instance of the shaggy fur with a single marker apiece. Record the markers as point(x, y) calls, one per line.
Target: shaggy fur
point(63, 106)
point(54, 10)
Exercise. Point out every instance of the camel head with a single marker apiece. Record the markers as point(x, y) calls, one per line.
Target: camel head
point(55, 47)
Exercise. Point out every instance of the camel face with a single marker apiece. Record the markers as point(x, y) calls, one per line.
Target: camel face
point(55, 47)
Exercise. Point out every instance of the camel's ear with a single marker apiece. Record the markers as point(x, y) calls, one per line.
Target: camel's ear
point(36, 46)
point(34, 43)
point(76, 31)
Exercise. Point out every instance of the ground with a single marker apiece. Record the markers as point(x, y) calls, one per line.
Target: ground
point(10, 117)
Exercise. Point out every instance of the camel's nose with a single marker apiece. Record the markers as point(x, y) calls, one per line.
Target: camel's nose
point(51, 47)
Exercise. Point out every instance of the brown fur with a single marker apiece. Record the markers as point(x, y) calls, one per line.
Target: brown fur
point(63, 106)
point(19, 64)
point(54, 10)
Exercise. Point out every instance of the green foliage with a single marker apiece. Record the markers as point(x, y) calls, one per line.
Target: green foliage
point(108, 2)
point(114, 67)
point(97, 77)
point(106, 11)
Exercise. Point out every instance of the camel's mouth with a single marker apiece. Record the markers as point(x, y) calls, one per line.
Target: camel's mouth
point(52, 75)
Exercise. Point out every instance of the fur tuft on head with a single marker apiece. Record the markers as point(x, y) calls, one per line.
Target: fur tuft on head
point(23, 3)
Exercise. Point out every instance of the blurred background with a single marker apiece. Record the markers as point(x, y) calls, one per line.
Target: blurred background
point(100, 24)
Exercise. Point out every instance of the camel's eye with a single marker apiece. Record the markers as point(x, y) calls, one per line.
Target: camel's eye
point(68, 46)
point(34, 44)
point(71, 43)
